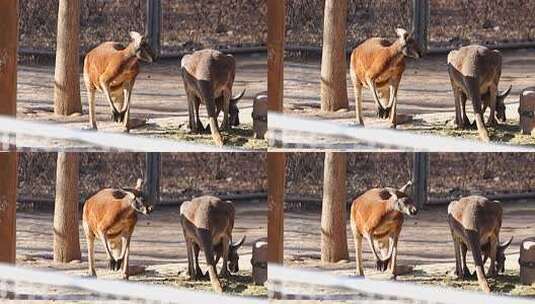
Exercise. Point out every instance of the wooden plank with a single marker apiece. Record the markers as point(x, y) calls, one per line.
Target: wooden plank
point(152, 176)
point(154, 25)
point(8, 95)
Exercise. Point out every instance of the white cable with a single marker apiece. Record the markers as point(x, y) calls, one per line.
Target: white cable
point(399, 290)
point(118, 288)
point(402, 140)
point(102, 139)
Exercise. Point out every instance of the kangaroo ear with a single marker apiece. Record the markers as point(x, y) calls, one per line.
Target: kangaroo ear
point(136, 37)
point(405, 187)
point(402, 33)
point(239, 243)
point(386, 194)
point(139, 184)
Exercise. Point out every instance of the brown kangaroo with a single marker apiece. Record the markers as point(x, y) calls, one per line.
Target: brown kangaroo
point(475, 224)
point(378, 215)
point(208, 77)
point(475, 73)
point(207, 224)
point(378, 64)
point(112, 69)
point(111, 215)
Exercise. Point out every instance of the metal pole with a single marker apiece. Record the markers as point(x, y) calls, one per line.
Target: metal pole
point(154, 24)
point(419, 175)
point(152, 175)
point(420, 22)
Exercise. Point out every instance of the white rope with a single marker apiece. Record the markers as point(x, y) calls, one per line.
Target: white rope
point(118, 288)
point(401, 140)
point(397, 290)
point(101, 139)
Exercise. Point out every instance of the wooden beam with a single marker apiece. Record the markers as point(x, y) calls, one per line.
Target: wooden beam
point(276, 162)
point(275, 51)
point(276, 166)
point(9, 38)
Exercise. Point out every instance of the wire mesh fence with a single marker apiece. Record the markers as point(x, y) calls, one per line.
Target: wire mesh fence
point(366, 18)
point(450, 175)
point(454, 23)
point(185, 25)
point(100, 20)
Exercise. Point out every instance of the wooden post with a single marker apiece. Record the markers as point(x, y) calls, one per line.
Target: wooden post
point(67, 72)
point(420, 22)
point(154, 24)
point(152, 176)
point(333, 89)
point(333, 210)
point(276, 162)
point(419, 175)
point(66, 236)
point(9, 37)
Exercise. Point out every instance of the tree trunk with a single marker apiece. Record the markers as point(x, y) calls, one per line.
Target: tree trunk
point(333, 212)
point(67, 76)
point(9, 38)
point(66, 236)
point(333, 60)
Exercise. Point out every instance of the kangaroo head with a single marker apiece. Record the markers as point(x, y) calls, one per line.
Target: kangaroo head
point(400, 200)
point(142, 48)
point(409, 46)
point(500, 104)
point(137, 200)
point(233, 256)
point(500, 255)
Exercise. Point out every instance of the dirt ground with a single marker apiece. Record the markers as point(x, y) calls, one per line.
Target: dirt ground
point(158, 97)
point(425, 94)
point(157, 245)
point(425, 244)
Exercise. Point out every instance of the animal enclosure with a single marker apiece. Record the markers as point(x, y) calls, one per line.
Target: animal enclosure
point(449, 175)
point(158, 249)
point(426, 254)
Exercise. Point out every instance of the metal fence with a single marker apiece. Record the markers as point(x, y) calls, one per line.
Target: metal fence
point(440, 25)
point(179, 26)
point(174, 176)
point(446, 176)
